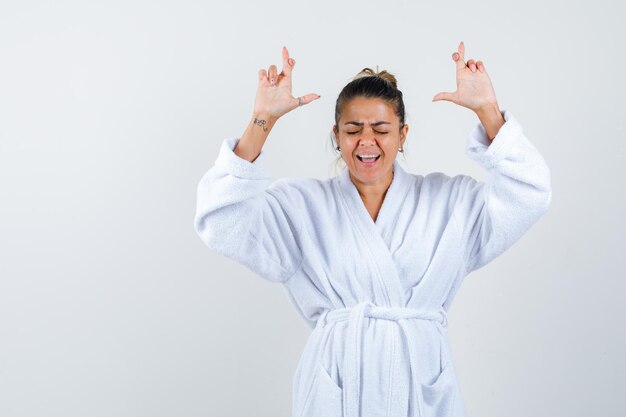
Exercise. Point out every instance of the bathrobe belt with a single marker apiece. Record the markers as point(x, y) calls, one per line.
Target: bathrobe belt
point(352, 360)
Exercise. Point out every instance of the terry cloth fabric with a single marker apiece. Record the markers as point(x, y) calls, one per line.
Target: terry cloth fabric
point(375, 293)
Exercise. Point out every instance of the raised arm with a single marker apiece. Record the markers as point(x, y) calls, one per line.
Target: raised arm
point(492, 215)
point(238, 213)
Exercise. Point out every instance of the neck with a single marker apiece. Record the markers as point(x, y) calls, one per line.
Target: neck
point(373, 191)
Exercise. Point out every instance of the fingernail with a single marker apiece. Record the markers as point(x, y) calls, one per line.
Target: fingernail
point(291, 61)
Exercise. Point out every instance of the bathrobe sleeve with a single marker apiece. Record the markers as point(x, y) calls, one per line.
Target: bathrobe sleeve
point(492, 215)
point(241, 216)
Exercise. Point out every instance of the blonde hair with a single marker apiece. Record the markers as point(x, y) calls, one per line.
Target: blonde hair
point(368, 72)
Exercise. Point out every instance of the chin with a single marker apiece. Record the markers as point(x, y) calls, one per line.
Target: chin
point(368, 177)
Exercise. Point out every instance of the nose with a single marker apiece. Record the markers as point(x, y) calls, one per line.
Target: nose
point(367, 139)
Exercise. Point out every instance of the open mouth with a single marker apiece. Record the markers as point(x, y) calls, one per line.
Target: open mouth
point(368, 159)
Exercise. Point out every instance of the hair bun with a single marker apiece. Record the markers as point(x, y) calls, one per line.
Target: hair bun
point(368, 72)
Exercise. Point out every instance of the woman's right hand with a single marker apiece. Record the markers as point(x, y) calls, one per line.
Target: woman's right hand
point(273, 97)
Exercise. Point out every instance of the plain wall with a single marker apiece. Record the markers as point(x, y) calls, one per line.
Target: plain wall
point(111, 112)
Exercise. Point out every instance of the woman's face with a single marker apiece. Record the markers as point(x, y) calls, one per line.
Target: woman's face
point(369, 135)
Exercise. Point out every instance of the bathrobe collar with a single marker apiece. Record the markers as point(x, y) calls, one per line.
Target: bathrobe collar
point(397, 189)
point(373, 233)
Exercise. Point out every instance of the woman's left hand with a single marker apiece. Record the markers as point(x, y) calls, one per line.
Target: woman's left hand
point(473, 86)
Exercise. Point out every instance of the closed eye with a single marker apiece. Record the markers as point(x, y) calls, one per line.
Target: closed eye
point(380, 133)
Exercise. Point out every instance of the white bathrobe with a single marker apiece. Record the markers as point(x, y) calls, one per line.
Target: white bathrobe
point(375, 293)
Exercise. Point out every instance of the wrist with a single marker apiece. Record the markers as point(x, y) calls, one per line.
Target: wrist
point(491, 118)
point(489, 111)
point(264, 116)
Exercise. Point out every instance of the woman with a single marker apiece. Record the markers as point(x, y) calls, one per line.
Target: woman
point(372, 258)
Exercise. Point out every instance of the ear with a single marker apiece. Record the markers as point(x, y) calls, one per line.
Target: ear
point(403, 132)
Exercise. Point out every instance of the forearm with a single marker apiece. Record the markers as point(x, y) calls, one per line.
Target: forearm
point(493, 214)
point(491, 118)
point(252, 141)
point(227, 199)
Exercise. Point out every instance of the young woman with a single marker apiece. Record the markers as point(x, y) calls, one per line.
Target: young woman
point(372, 258)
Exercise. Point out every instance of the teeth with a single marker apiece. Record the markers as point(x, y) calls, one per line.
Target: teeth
point(368, 158)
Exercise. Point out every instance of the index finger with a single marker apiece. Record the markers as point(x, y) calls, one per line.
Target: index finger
point(460, 62)
point(287, 62)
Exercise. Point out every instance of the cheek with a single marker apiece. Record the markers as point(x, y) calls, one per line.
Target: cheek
point(391, 145)
point(348, 144)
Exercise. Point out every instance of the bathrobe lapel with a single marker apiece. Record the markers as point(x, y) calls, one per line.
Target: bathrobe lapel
point(375, 246)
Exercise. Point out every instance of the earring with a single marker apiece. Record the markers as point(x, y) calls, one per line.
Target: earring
point(400, 150)
point(337, 148)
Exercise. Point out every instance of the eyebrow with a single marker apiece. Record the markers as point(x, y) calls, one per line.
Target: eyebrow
point(371, 124)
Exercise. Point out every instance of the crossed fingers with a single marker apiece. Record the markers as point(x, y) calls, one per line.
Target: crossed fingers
point(272, 76)
point(459, 58)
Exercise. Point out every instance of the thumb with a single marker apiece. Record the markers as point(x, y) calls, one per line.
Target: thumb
point(306, 99)
point(445, 96)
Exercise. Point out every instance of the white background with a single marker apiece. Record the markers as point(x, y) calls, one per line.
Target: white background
point(110, 113)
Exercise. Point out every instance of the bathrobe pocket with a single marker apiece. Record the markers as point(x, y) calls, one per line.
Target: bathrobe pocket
point(324, 398)
point(439, 396)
